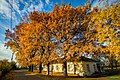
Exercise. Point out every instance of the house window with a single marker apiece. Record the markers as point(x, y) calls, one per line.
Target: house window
point(94, 67)
point(56, 67)
point(88, 67)
point(69, 68)
point(62, 67)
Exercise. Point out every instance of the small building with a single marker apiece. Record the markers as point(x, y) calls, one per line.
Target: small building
point(82, 67)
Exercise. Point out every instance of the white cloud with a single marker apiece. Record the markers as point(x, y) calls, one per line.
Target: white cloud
point(4, 24)
point(2, 35)
point(40, 6)
point(2, 41)
point(47, 1)
point(5, 14)
point(21, 1)
point(27, 9)
point(102, 2)
point(26, 5)
point(16, 6)
point(5, 53)
point(3, 57)
point(30, 0)
point(30, 9)
point(5, 8)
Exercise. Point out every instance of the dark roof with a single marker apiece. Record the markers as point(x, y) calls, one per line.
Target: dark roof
point(76, 59)
point(82, 58)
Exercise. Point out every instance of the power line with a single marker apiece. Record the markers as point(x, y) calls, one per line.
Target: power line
point(11, 14)
point(13, 8)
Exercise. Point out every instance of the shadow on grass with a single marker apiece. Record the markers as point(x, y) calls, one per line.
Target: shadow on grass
point(25, 75)
point(113, 72)
point(107, 73)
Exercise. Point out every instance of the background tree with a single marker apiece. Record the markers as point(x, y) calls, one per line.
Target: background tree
point(105, 28)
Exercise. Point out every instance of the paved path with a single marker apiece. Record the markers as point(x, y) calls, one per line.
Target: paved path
point(24, 75)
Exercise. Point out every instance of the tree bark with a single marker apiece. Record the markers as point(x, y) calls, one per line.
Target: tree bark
point(48, 68)
point(112, 64)
point(40, 68)
point(74, 69)
point(30, 68)
point(116, 64)
point(65, 68)
point(12, 57)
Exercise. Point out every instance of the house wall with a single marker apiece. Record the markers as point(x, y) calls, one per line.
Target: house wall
point(81, 68)
point(44, 67)
point(75, 68)
point(58, 67)
point(89, 67)
point(70, 67)
point(107, 62)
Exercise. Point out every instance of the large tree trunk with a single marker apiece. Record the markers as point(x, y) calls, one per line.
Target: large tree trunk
point(98, 67)
point(111, 64)
point(65, 68)
point(40, 68)
point(116, 64)
point(48, 65)
point(12, 57)
point(74, 69)
point(30, 68)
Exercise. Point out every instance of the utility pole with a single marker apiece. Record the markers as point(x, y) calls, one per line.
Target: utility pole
point(11, 14)
point(12, 8)
point(11, 24)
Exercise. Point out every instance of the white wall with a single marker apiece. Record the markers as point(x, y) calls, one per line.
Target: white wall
point(92, 68)
point(79, 68)
point(70, 67)
point(58, 67)
point(75, 67)
point(44, 67)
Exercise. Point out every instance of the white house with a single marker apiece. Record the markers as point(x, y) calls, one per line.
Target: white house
point(83, 67)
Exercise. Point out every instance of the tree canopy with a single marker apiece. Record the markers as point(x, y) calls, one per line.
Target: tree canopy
point(65, 32)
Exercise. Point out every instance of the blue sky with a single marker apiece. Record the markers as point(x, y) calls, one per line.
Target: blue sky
point(22, 7)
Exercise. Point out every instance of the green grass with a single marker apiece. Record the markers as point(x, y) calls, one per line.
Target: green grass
point(117, 77)
point(111, 75)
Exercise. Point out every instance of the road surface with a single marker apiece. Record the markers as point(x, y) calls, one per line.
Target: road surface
point(24, 75)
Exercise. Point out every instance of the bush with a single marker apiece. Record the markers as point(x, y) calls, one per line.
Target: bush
point(9, 76)
point(13, 65)
point(5, 67)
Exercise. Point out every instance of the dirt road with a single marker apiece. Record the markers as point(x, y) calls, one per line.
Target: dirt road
point(24, 75)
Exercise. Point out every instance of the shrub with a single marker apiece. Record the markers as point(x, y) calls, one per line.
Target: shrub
point(9, 76)
point(5, 66)
point(13, 65)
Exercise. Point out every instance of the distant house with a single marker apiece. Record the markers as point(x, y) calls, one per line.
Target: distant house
point(82, 67)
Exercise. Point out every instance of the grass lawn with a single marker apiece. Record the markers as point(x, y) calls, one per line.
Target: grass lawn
point(26, 75)
point(45, 77)
point(109, 75)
